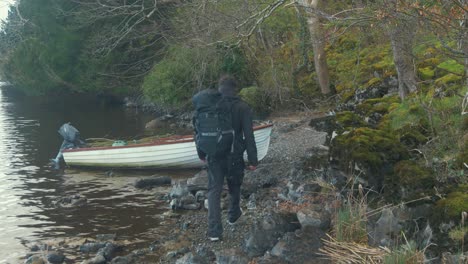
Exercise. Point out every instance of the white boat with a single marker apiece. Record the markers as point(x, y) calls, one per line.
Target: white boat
point(171, 152)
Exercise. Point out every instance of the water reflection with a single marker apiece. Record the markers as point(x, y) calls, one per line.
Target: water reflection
point(28, 187)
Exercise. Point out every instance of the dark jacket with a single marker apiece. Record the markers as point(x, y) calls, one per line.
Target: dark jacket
point(243, 127)
point(241, 116)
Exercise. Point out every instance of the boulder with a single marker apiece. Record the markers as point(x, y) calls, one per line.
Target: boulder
point(98, 259)
point(231, 256)
point(199, 182)
point(92, 247)
point(75, 200)
point(187, 202)
point(301, 246)
point(55, 258)
point(128, 259)
point(315, 216)
point(179, 189)
point(108, 251)
point(106, 237)
point(35, 260)
point(266, 230)
point(385, 229)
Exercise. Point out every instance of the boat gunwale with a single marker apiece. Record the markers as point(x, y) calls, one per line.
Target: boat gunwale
point(158, 142)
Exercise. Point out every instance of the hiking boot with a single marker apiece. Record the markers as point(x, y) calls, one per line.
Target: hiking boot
point(237, 219)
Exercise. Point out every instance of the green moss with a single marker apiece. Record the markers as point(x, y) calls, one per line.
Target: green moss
point(377, 105)
point(413, 137)
point(347, 119)
point(346, 94)
point(371, 147)
point(459, 233)
point(406, 114)
point(411, 180)
point(452, 66)
point(455, 203)
point(373, 81)
point(462, 157)
point(464, 126)
point(431, 62)
point(426, 73)
point(447, 79)
point(385, 64)
point(307, 85)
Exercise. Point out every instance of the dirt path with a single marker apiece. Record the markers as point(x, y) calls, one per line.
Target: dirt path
point(291, 138)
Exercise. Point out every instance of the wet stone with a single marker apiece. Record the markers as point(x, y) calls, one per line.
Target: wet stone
point(91, 247)
point(152, 182)
point(106, 237)
point(35, 260)
point(98, 259)
point(128, 259)
point(75, 200)
point(200, 196)
point(187, 202)
point(55, 258)
point(179, 189)
point(108, 251)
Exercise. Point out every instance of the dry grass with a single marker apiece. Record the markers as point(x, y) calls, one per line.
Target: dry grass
point(351, 252)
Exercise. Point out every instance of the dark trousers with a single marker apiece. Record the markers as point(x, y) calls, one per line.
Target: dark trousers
point(218, 168)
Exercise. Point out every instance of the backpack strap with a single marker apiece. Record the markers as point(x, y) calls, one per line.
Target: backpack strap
point(230, 131)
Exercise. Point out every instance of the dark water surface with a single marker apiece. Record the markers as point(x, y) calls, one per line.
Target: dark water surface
point(29, 187)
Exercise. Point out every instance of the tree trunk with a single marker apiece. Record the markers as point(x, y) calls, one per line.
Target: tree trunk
point(402, 35)
point(464, 40)
point(318, 45)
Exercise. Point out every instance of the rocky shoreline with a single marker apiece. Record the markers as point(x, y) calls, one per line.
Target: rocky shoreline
point(289, 205)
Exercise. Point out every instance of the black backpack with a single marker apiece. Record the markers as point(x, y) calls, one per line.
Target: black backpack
point(213, 123)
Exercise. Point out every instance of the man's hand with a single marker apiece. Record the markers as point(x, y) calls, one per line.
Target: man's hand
point(251, 168)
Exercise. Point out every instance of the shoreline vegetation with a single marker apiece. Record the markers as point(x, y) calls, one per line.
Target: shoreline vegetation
point(369, 156)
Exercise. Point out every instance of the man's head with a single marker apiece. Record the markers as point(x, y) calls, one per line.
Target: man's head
point(227, 85)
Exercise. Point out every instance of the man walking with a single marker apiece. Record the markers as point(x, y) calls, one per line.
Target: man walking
point(229, 164)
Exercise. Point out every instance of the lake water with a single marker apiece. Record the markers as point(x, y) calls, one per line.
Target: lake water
point(29, 187)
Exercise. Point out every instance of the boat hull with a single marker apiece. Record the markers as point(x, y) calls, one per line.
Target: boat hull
point(170, 153)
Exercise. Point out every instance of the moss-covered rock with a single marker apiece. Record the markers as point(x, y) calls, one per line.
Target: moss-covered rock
point(369, 147)
point(456, 202)
point(410, 180)
point(373, 82)
point(452, 66)
point(377, 105)
point(426, 73)
point(407, 114)
point(448, 79)
point(349, 120)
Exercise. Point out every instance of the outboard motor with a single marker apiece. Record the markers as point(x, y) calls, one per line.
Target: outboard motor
point(71, 139)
